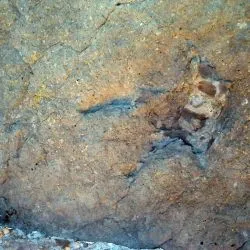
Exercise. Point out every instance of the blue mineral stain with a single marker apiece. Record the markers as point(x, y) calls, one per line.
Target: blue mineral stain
point(153, 91)
point(12, 127)
point(157, 145)
point(116, 106)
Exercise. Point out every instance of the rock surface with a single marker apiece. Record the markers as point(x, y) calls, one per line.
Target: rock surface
point(126, 121)
point(15, 239)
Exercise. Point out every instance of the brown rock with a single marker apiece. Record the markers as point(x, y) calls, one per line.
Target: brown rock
point(94, 141)
point(207, 87)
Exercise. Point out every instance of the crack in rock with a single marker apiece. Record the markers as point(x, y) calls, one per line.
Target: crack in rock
point(196, 123)
point(97, 30)
point(104, 22)
point(198, 120)
point(130, 3)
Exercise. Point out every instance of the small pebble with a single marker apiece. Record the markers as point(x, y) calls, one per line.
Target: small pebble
point(6, 230)
point(35, 235)
point(244, 102)
point(242, 25)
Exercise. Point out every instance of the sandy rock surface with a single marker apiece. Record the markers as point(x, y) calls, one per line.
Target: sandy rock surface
point(126, 121)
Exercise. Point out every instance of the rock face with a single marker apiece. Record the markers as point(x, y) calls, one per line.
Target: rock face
point(126, 121)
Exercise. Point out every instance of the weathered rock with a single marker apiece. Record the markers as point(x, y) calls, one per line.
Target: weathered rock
point(105, 133)
point(15, 239)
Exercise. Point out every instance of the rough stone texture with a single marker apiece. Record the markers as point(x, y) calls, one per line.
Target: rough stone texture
point(88, 94)
point(15, 239)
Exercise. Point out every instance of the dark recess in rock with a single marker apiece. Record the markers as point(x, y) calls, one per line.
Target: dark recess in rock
point(7, 213)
